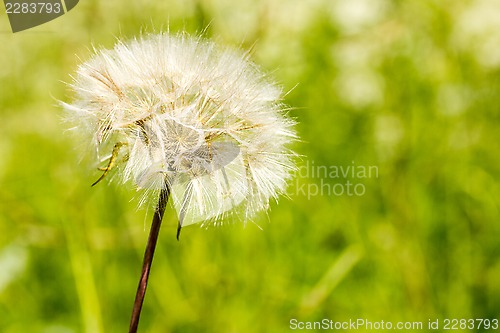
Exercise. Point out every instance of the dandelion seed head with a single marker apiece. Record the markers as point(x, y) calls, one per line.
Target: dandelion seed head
point(181, 112)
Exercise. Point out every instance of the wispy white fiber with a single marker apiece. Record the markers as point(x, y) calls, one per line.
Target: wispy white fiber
point(181, 112)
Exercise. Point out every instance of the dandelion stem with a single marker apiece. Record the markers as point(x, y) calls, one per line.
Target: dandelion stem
point(148, 257)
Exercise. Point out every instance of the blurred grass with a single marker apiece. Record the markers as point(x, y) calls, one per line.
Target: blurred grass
point(412, 87)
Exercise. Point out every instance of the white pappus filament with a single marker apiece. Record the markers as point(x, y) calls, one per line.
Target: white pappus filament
point(181, 112)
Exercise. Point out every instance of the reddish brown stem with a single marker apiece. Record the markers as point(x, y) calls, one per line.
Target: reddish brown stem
point(148, 257)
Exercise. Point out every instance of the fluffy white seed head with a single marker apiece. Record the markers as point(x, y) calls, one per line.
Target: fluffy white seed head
point(180, 112)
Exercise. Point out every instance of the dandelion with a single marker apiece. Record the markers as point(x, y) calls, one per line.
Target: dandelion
point(180, 117)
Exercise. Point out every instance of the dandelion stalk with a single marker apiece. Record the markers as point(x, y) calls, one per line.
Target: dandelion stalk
point(148, 257)
point(185, 118)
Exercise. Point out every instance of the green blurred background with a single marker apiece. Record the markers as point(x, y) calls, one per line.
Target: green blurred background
point(411, 87)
